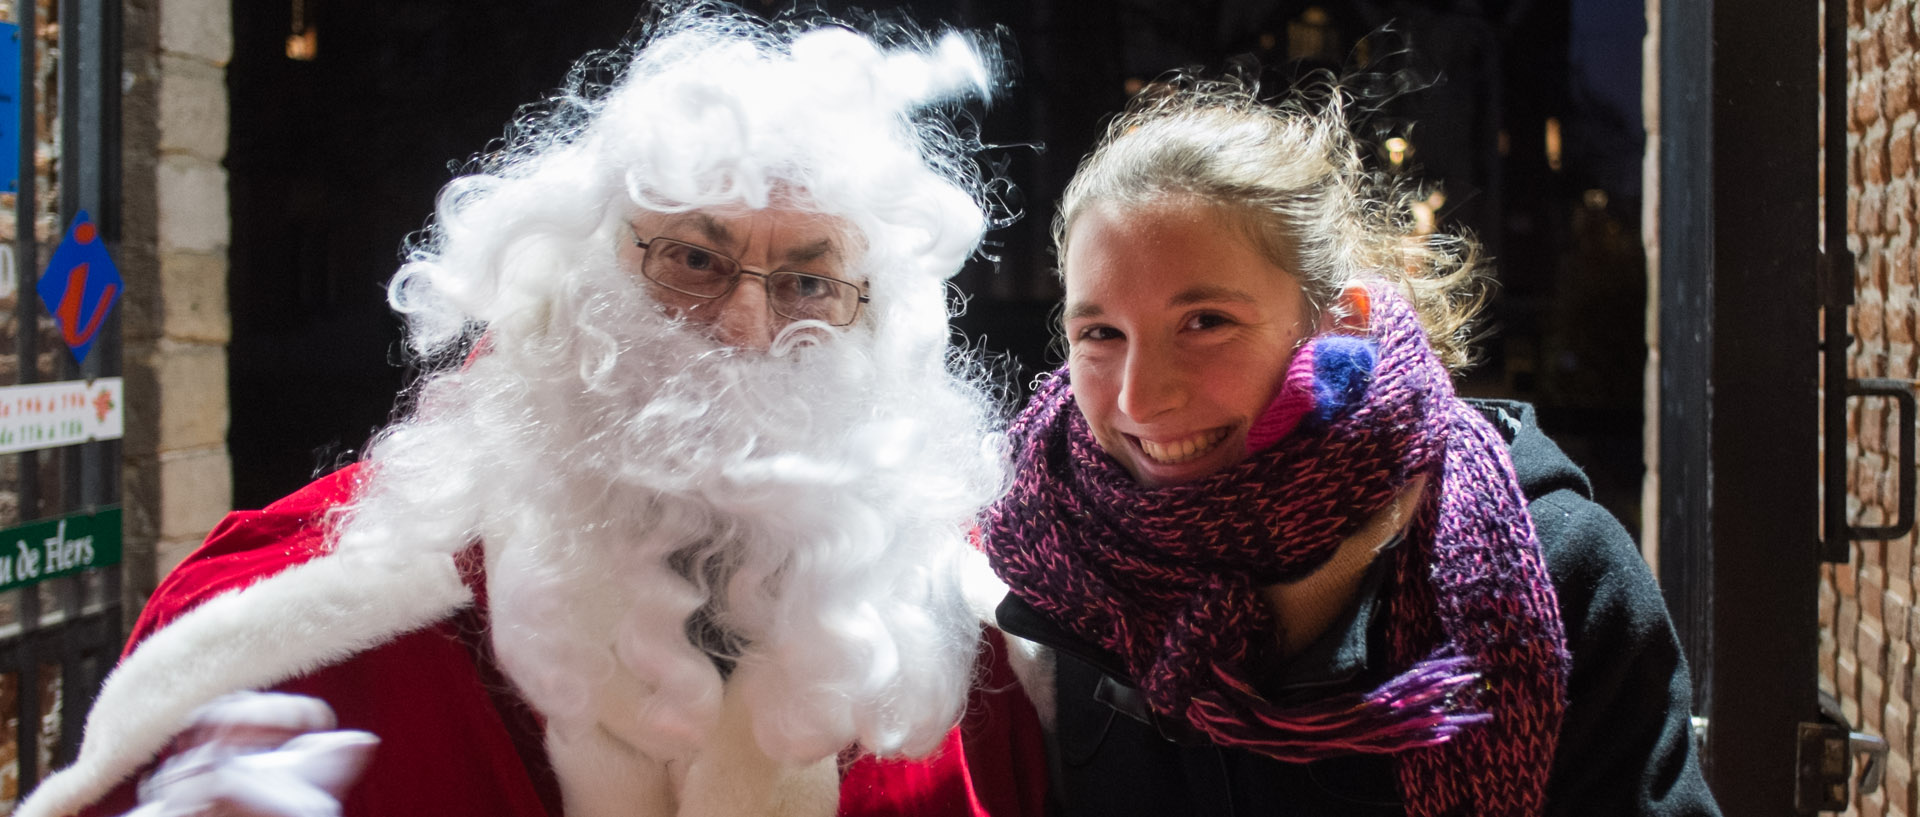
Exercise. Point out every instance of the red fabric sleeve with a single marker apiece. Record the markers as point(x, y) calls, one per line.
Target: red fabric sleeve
point(992, 765)
point(248, 546)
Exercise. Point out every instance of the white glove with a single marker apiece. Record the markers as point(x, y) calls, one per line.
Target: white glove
point(257, 754)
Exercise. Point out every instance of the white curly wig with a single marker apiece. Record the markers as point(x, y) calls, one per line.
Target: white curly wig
point(658, 512)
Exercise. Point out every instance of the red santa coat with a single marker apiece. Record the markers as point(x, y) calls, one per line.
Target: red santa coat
point(396, 644)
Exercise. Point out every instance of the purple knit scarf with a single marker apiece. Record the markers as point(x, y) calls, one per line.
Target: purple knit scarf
point(1168, 579)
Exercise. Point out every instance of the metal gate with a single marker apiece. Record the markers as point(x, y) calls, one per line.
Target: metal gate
point(60, 395)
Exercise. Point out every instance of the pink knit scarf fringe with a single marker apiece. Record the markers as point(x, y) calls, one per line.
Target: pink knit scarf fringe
point(1167, 579)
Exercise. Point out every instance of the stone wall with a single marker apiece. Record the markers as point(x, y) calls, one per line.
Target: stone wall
point(1869, 629)
point(178, 478)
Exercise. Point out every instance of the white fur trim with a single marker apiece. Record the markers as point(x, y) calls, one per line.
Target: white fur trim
point(1033, 664)
point(603, 774)
point(730, 776)
point(982, 589)
point(284, 626)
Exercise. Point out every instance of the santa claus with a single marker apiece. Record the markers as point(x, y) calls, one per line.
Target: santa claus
point(671, 529)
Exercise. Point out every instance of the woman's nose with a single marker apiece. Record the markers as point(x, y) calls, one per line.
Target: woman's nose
point(1153, 384)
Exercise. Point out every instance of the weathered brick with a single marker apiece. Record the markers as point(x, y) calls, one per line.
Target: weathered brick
point(1848, 677)
point(1873, 430)
point(1900, 271)
point(197, 490)
point(1898, 727)
point(1896, 33)
point(1873, 593)
point(1916, 142)
point(1872, 698)
point(1900, 673)
point(193, 394)
point(1899, 326)
point(1898, 782)
point(1853, 211)
point(1866, 221)
point(1856, 158)
point(200, 28)
point(1866, 98)
point(193, 291)
point(1869, 326)
point(1899, 151)
point(1866, 488)
point(193, 205)
point(1875, 163)
point(1899, 206)
point(193, 108)
point(1894, 611)
point(1896, 86)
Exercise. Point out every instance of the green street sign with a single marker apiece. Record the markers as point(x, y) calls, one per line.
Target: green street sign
point(51, 548)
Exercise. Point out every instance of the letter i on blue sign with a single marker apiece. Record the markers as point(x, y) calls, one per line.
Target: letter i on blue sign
point(81, 285)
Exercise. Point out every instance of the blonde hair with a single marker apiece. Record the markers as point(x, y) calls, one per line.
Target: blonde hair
point(1291, 172)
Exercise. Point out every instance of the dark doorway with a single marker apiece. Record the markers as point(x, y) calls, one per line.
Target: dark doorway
point(1528, 124)
point(335, 158)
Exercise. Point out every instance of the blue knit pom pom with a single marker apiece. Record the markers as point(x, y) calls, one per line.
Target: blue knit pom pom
point(1342, 368)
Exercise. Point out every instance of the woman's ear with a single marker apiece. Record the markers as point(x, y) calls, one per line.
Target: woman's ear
point(1352, 313)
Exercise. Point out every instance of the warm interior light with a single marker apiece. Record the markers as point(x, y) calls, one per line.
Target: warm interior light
point(1426, 213)
point(1397, 149)
point(303, 37)
point(303, 46)
point(1553, 142)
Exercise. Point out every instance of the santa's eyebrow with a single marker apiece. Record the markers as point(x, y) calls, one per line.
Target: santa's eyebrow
point(722, 236)
point(812, 252)
point(710, 227)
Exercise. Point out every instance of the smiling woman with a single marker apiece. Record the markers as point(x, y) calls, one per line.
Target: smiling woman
point(1179, 334)
point(1261, 559)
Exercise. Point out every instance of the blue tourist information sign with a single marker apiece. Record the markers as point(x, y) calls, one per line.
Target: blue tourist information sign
point(81, 285)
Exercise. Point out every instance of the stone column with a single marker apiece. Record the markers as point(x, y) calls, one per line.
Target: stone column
point(178, 474)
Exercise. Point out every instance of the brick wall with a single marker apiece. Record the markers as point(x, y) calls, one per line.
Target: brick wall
point(1868, 626)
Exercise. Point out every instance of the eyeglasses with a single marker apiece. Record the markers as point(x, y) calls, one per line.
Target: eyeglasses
point(708, 274)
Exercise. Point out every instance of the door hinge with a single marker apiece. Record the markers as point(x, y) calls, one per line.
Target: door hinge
point(1825, 759)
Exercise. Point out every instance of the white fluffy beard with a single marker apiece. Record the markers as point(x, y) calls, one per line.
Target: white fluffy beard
point(626, 475)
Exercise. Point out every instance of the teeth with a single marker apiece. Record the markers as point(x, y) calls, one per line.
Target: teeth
point(1180, 451)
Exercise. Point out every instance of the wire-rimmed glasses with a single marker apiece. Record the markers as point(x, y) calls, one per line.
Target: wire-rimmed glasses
point(698, 272)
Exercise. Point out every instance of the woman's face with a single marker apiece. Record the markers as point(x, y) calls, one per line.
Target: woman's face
point(1179, 335)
